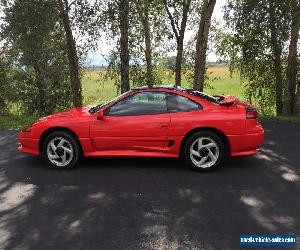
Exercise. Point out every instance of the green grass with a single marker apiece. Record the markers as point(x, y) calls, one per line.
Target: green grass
point(98, 91)
point(225, 83)
point(13, 122)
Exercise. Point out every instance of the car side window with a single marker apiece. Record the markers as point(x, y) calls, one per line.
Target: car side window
point(144, 103)
point(178, 103)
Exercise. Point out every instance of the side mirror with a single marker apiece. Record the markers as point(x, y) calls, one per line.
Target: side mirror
point(100, 115)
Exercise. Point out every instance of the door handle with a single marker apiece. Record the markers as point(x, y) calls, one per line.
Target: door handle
point(164, 125)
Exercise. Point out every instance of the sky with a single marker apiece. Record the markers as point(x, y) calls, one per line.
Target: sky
point(97, 58)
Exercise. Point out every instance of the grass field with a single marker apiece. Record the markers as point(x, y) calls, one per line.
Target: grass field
point(97, 90)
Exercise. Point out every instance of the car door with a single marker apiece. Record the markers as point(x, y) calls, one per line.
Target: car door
point(139, 122)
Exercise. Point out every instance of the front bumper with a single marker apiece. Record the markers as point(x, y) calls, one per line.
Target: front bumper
point(28, 144)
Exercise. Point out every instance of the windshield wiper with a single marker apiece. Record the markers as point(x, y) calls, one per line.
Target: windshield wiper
point(95, 109)
point(92, 110)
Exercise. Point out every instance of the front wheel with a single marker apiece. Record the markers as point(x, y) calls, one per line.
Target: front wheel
point(204, 151)
point(60, 150)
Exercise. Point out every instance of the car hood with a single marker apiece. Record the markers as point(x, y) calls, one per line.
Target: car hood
point(70, 113)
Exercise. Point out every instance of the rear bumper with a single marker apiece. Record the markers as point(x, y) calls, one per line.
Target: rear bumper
point(28, 145)
point(246, 144)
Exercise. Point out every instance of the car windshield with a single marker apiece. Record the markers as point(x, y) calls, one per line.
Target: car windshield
point(96, 108)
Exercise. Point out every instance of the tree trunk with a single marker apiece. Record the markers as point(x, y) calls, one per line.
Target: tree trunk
point(289, 94)
point(72, 54)
point(178, 65)
point(297, 100)
point(124, 50)
point(144, 19)
point(277, 51)
point(179, 35)
point(201, 45)
point(278, 82)
point(3, 81)
point(41, 89)
point(148, 52)
point(4, 110)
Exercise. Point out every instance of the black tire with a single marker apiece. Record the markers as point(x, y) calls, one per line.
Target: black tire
point(71, 144)
point(206, 135)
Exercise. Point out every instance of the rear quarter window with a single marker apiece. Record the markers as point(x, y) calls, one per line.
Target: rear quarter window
point(178, 103)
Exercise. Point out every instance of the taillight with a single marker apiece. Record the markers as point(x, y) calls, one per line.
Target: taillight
point(251, 113)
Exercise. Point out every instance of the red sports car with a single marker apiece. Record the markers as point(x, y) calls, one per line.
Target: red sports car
point(149, 122)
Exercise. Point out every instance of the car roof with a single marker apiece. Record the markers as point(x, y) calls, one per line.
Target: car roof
point(169, 87)
point(175, 88)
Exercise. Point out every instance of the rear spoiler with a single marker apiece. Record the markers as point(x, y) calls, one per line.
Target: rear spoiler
point(227, 100)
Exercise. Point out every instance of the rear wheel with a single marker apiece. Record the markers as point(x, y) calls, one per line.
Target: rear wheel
point(204, 151)
point(60, 150)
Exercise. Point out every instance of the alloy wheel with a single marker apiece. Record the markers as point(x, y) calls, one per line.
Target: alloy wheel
point(60, 151)
point(204, 152)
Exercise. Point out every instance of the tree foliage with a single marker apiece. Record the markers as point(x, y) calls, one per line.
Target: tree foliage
point(256, 44)
point(37, 69)
point(146, 37)
point(291, 104)
point(43, 44)
point(202, 43)
point(178, 20)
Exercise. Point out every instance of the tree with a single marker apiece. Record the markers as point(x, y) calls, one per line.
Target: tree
point(143, 12)
point(276, 48)
point(178, 31)
point(36, 70)
point(145, 32)
point(201, 44)
point(290, 87)
point(255, 43)
point(114, 18)
point(297, 99)
point(3, 85)
point(64, 9)
point(124, 50)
